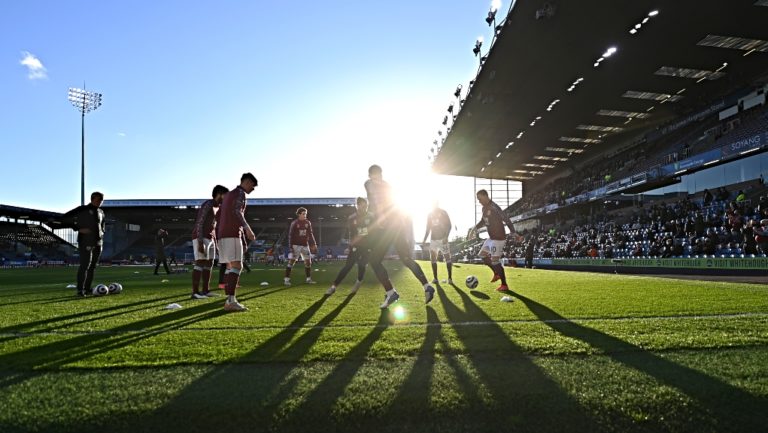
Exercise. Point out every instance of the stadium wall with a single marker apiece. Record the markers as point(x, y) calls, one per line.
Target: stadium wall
point(704, 266)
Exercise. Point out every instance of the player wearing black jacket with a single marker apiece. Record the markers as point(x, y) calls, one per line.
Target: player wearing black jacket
point(88, 220)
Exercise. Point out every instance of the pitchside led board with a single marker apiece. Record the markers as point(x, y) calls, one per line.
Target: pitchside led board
point(734, 263)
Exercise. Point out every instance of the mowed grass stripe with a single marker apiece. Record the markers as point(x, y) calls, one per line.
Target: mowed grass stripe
point(174, 346)
point(193, 328)
point(573, 352)
point(680, 391)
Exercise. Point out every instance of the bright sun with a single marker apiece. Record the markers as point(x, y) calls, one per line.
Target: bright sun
point(415, 191)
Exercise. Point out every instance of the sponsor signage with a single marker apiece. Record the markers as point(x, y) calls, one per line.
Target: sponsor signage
point(681, 263)
point(745, 144)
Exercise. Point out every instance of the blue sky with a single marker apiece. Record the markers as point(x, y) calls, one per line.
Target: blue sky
point(306, 95)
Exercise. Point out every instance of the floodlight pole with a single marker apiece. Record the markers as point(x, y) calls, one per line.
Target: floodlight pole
point(82, 157)
point(84, 102)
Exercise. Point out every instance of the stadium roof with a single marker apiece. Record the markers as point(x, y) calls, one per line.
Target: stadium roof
point(251, 202)
point(23, 213)
point(552, 86)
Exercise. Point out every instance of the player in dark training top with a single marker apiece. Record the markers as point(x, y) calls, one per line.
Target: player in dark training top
point(358, 225)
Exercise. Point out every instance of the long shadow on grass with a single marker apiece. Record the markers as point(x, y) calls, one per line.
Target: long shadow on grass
point(83, 316)
point(258, 378)
point(62, 352)
point(38, 301)
point(733, 408)
point(522, 396)
point(318, 403)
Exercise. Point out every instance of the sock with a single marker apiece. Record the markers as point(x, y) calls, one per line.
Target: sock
point(288, 271)
point(196, 274)
point(308, 272)
point(232, 277)
point(434, 269)
point(500, 272)
point(206, 277)
point(449, 265)
point(231, 299)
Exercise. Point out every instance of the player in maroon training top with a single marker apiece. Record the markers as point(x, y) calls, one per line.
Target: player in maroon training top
point(203, 243)
point(230, 231)
point(301, 243)
point(494, 220)
point(439, 225)
point(392, 227)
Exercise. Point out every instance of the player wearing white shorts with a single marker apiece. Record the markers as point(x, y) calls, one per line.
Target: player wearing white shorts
point(203, 243)
point(302, 245)
point(232, 227)
point(439, 225)
point(494, 220)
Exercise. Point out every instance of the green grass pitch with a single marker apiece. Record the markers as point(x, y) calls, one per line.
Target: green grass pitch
point(573, 352)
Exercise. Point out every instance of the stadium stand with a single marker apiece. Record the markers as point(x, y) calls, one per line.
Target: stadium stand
point(25, 240)
point(613, 168)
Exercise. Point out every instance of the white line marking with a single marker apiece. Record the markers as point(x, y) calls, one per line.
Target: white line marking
point(403, 325)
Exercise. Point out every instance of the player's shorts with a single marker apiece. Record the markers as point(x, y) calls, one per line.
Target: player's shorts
point(300, 251)
point(494, 248)
point(208, 246)
point(230, 250)
point(440, 246)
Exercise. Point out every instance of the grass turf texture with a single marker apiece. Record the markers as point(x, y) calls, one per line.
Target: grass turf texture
point(573, 352)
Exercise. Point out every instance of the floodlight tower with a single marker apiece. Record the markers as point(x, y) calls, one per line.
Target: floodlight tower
point(85, 102)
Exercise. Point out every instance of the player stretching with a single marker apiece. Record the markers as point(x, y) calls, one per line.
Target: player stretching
point(232, 228)
point(302, 242)
point(494, 219)
point(439, 224)
point(358, 224)
point(391, 227)
point(203, 243)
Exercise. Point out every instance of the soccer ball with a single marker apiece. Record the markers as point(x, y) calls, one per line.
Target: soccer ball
point(100, 290)
point(115, 288)
point(471, 281)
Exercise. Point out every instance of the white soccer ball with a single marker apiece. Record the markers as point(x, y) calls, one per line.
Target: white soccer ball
point(100, 290)
point(471, 281)
point(115, 288)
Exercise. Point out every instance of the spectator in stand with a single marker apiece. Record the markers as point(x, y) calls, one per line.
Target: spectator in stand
point(741, 197)
point(529, 254)
point(89, 222)
point(723, 194)
point(748, 233)
point(668, 251)
point(707, 197)
point(762, 204)
point(710, 242)
point(761, 237)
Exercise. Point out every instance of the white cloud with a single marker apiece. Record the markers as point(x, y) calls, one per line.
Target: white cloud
point(121, 134)
point(35, 68)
